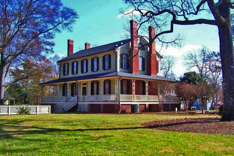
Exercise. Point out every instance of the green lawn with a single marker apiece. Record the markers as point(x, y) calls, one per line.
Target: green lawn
point(104, 134)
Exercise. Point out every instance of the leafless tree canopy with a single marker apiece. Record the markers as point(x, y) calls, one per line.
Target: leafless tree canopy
point(27, 28)
point(165, 14)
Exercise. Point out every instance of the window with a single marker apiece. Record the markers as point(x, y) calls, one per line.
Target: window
point(94, 88)
point(74, 67)
point(84, 66)
point(64, 89)
point(95, 64)
point(125, 86)
point(106, 62)
point(124, 61)
point(66, 69)
point(107, 87)
point(73, 89)
point(142, 87)
point(141, 63)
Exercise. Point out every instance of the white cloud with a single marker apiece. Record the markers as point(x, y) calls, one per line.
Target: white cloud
point(131, 12)
point(178, 53)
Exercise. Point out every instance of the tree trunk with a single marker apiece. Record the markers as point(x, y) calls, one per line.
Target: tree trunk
point(2, 79)
point(227, 60)
point(185, 105)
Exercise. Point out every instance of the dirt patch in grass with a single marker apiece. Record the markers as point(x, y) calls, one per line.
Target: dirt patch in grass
point(195, 125)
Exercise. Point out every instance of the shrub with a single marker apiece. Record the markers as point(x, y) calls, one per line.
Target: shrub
point(221, 110)
point(23, 111)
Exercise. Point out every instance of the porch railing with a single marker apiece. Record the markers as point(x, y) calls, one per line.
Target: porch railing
point(100, 98)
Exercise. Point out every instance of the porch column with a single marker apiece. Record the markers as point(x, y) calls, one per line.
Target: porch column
point(89, 88)
point(66, 91)
point(77, 95)
point(102, 88)
point(116, 89)
point(57, 90)
point(146, 90)
point(133, 89)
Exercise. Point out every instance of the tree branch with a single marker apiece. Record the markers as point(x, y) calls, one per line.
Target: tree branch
point(11, 83)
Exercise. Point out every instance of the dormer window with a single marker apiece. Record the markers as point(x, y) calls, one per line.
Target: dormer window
point(84, 66)
point(106, 62)
point(124, 61)
point(141, 46)
point(74, 67)
point(66, 69)
point(95, 64)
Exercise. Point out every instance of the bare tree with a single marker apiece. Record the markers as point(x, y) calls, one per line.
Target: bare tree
point(162, 89)
point(167, 13)
point(26, 30)
point(187, 93)
point(54, 59)
point(167, 64)
point(208, 65)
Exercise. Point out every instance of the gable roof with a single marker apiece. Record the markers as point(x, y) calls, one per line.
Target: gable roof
point(96, 50)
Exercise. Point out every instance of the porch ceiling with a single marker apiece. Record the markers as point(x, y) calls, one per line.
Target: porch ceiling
point(110, 74)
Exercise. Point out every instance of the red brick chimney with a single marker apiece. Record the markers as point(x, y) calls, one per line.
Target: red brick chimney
point(87, 45)
point(134, 56)
point(151, 58)
point(69, 47)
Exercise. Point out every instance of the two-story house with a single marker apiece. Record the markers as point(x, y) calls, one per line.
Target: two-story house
point(110, 78)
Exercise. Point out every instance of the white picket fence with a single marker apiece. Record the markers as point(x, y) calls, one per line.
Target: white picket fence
point(34, 109)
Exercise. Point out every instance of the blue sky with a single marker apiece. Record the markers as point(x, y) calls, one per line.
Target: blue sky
point(99, 24)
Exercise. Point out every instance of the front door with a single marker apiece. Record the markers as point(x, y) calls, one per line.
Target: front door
point(84, 91)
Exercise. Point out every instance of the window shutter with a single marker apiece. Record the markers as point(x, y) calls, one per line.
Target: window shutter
point(63, 91)
point(82, 66)
point(63, 69)
point(103, 62)
point(143, 64)
point(92, 63)
point(109, 61)
point(109, 86)
point(97, 87)
point(73, 67)
point(104, 90)
point(72, 93)
point(128, 62)
point(143, 87)
point(87, 65)
point(121, 61)
point(121, 83)
point(97, 63)
point(91, 88)
point(128, 86)
point(68, 68)
point(76, 67)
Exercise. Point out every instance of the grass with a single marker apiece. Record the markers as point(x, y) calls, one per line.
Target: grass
point(104, 134)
